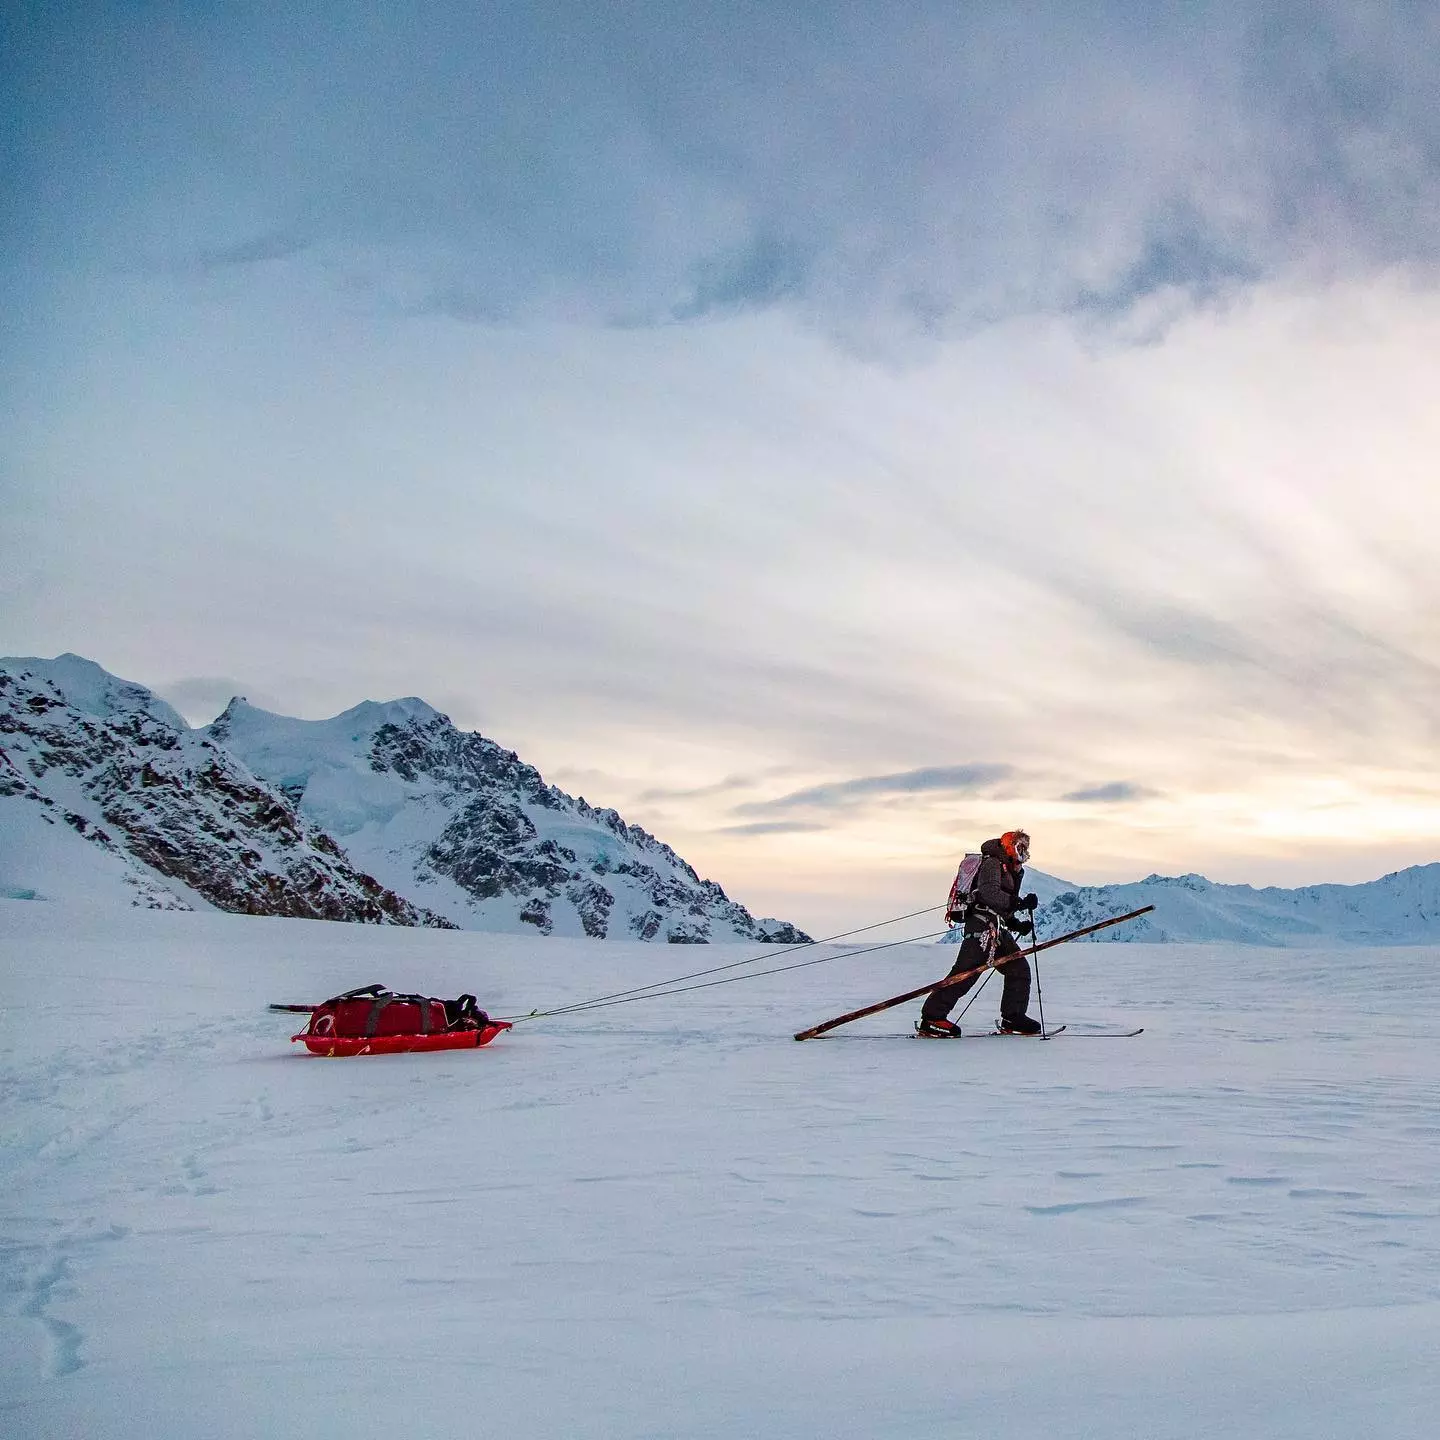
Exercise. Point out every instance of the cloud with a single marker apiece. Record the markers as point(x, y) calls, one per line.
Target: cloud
point(765, 272)
point(1182, 262)
point(1105, 794)
point(1298, 655)
point(460, 301)
point(276, 245)
point(726, 786)
point(773, 827)
point(200, 698)
point(948, 779)
point(927, 169)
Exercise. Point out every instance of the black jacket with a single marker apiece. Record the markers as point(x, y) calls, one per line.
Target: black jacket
point(997, 885)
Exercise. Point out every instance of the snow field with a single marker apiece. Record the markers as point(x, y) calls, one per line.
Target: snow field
point(668, 1219)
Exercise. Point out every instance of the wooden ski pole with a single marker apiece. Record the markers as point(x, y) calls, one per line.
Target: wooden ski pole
point(875, 1009)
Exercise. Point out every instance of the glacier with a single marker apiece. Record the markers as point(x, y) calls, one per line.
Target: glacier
point(668, 1219)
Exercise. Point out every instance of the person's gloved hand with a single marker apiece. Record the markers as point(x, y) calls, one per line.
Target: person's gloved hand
point(1027, 902)
point(1022, 927)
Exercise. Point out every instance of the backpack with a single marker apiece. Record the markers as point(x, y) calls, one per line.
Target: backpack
point(959, 900)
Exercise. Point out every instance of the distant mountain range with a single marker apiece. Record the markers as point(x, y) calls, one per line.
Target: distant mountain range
point(1399, 909)
point(386, 814)
point(1402, 908)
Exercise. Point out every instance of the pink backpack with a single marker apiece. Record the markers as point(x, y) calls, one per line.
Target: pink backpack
point(960, 890)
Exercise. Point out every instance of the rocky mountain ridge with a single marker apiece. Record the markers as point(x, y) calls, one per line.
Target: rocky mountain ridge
point(164, 811)
point(468, 825)
point(383, 814)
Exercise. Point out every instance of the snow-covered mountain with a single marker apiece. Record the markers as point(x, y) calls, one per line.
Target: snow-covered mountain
point(1402, 908)
point(389, 814)
point(457, 821)
point(386, 814)
point(106, 793)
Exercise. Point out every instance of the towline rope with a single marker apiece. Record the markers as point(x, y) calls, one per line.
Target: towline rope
point(657, 989)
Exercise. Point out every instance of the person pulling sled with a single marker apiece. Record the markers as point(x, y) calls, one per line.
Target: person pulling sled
point(992, 911)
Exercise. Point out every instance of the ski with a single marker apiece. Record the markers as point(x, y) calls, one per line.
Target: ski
point(998, 1034)
point(1078, 1034)
point(992, 1035)
point(955, 979)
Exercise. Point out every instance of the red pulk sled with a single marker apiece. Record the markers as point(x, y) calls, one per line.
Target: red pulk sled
point(373, 1021)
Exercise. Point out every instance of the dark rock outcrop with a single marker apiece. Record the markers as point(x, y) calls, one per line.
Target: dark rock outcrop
point(184, 808)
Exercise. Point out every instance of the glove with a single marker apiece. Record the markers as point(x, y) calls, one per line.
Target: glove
point(1027, 902)
point(1022, 927)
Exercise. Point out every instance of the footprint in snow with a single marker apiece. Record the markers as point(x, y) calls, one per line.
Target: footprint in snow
point(1120, 1202)
point(192, 1180)
point(52, 1282)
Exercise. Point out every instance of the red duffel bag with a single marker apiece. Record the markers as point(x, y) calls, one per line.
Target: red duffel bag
point(372, 1021)
point(375, 1011)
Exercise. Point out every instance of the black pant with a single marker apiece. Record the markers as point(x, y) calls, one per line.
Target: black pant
point(1014, 999)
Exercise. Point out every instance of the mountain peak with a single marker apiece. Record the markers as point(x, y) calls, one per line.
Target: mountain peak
point(93, 690)
point(372, 714)
point(356, 726)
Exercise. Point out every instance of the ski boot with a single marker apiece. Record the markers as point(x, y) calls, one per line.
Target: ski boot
point(1018, 1025)
point(937, 1029)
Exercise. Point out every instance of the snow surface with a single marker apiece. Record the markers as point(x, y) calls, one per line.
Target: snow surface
point(668, 1219)
point(41, 860)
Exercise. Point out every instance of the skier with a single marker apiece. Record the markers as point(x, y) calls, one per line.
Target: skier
point(992, 917)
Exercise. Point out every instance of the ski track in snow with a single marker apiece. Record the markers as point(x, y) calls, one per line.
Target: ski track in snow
point(668, 1218)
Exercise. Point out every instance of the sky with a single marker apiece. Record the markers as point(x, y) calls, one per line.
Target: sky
point(829, 433)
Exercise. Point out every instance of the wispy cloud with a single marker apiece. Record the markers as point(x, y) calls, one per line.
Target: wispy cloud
point(1297, 655)
point(773, 827)
point(274, 245)
point(1115, 791)
point(937, 779)
point(765, 272)
point(727, 786)
point(200, 698)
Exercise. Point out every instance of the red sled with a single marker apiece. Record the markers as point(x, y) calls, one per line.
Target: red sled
point(335, 1046)
point(374, 1021)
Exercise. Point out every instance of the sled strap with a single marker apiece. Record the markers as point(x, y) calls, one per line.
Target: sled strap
point(381, 1001)
point(359, 994)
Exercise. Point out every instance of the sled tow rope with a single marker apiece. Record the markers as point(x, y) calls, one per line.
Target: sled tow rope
point(657, 989)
